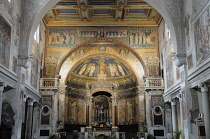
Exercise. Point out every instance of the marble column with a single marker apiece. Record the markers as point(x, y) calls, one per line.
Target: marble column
point(89, 112)
point(205, 99)
point(36, 113)
point(174, 116)
point(2, 86)
point(90, 115)
point(181, 114)
point(113, 116)
point(148, 111)
point(29, 120)
point(114, 108)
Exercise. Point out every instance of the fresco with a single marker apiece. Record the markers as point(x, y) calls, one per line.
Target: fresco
point(121, 112)
point(72, 112)
point(34, 71)
point(138, 37)
point(14, 65)
point(202, 36)
point(130, 112)
point(98, 65)
point(177, 73)
point(169, 71)
point(189, 61)
point(61, 37)
point(5, 41)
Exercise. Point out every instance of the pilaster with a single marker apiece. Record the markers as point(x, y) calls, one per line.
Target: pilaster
point(61, 106)
point(206, 108)
point(185, 94)
point(174, 115)
point(29, 120)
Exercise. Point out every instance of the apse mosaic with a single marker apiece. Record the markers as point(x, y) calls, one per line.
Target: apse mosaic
point(94, 66)
point(138, 37)
point(5, 41)
point(202, 37)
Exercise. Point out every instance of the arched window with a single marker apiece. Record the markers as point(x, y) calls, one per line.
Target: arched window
point(36, 35)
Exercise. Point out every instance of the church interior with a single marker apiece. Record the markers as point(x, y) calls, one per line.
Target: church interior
point(104, 69)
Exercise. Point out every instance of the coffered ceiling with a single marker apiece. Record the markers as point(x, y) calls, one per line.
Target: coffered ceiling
point(102, 13)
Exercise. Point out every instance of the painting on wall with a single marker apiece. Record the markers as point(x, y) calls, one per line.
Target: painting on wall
point(177, 73)
point(47, 100)
point(81, 112)
point(50, 69)
point(202, 36)
point(14, 65)
point(98, 65)
point(5, 41)
point(189, 61)
point(21, 108)
point(138, 37)
point(22, 79)
point(72, 112)
point(169, 71)
point(60, 37)
point(143, 37)
point(156, 100)
point(130, 112)
point(101, 103)
point(34, 72)
point(121, 112)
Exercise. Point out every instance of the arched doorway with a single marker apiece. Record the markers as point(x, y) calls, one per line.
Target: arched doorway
point(7, 120)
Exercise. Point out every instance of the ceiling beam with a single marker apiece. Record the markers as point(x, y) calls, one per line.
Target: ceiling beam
point(142, 6)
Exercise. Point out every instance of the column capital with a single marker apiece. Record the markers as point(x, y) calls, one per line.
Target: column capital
point(114, 103)
point(25, 61)
point(30, 101)
point(204, 87)
point(36, 104)
point(2, 86)
point(180, 96)
point(173, 101)
point(89, 103)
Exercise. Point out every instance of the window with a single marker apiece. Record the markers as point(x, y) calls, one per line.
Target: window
point(36, 35)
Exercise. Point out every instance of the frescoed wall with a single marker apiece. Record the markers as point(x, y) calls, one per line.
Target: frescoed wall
point(60, 40)
point(169, 71)
point(72, 117)
point(130, 108)
point(5, 41)
point(202, 36)
point(137, 37)
point(34, 71)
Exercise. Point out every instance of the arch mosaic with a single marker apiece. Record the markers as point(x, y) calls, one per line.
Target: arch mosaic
point(127, 64)
point(170, 10)
point(106, 39)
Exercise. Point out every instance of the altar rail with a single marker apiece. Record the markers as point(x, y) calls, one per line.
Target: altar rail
point(154, 83)
point(51, 83)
